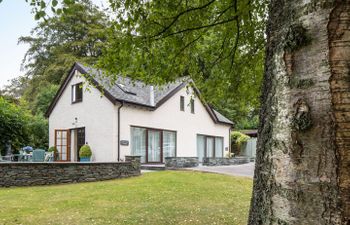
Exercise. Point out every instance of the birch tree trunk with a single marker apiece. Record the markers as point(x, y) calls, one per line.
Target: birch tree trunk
point(302, 173)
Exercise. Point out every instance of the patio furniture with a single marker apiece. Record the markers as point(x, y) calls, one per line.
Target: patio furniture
point(38, 155)
point(7, 158)
point(49, 156)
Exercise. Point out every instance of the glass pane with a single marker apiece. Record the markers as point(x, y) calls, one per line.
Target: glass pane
point(64, 134)
point(64, 149)
point(210, 147)
point(58, 135)
point(64, 141)
point(138, 143)
point(169, 144)
point(64, 157)
point(73, 93)
point(200, 147)
point(154, 147)
point(219, 147)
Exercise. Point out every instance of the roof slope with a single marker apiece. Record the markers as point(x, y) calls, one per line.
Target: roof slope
point(133, 91)
point(129, 91)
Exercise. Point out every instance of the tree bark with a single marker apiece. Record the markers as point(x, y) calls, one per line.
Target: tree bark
point(302, 173)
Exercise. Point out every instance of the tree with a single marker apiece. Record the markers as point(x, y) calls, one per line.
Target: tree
point(18, 126)
point(44, 99)
point(57, 42)
point(220, 44)
point(302, 173)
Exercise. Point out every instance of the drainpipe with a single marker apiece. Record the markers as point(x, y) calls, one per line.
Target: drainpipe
point(119, 108)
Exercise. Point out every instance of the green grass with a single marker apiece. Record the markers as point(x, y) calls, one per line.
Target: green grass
point(169, 197)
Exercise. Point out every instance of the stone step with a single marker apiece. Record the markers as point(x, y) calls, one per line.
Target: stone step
point(152, 167)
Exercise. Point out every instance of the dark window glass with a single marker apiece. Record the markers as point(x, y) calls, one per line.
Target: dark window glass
point(182, 103)
point(77, 93)
point(192, 105)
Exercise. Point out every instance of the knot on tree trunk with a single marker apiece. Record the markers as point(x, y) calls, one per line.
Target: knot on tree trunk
point(296, 38)
point(302, 117)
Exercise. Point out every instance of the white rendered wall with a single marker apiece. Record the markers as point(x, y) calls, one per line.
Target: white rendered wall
point(169, 117)
point(96, 113)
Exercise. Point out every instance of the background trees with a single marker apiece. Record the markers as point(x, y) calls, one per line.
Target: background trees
point(55, 44)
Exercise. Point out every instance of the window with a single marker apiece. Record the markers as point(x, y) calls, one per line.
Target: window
point(182, 103)
point(153, 145)
point(209, 146)
point(77, 93)
point(192, 105)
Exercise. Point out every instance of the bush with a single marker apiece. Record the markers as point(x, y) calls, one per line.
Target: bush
point(53, 149)
point(237, 140)
point(85, 151)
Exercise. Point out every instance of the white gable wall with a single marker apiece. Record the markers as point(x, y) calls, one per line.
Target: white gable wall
point(96, 113)
point(169, 117)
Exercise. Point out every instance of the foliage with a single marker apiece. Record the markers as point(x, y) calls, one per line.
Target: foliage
point(220, 44)
point(13, 126)
point(55, 44)
point(19, 127)
point(250, 121)
point(168, 197)
point(38, 135)
point(52, 149)
point(85, 151)
point(43, 99)
point(239, 138)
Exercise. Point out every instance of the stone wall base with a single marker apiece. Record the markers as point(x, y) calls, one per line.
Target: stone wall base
point(30, 174)
point(225, 161)
point(181, 162)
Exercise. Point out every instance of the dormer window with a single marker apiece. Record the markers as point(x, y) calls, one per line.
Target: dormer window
point(77, 92)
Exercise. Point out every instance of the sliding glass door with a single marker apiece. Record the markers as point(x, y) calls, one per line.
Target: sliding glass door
point(209, 146)
point(153, 145)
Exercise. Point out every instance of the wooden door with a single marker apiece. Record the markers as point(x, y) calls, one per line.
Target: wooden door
point(62, 143)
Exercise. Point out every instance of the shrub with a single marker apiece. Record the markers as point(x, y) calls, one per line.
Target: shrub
point(53, 149)
point(85, 151)
point(237, 140)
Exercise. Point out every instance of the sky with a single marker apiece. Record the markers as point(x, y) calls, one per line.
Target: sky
point(16, 20)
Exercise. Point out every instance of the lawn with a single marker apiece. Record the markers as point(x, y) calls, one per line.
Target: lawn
point(169, 197)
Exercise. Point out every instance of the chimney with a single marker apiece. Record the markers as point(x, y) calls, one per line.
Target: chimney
point(151, 95)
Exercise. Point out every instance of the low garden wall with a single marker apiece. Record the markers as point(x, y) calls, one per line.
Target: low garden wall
point(181, 162)
point(225, 161)
point(28, 174)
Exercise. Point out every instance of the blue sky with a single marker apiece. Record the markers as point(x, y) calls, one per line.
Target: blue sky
point(15, 20)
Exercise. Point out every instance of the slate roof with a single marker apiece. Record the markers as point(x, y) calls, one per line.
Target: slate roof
point(129, 91)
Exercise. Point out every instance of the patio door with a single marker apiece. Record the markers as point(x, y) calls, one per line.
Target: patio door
point(80, 140)
point(62, 143)
point(154, 146)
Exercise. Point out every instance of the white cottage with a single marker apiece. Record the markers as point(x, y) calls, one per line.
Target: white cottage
point(131, 118)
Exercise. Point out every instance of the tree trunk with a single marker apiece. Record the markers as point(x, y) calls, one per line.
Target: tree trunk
point(302, 173)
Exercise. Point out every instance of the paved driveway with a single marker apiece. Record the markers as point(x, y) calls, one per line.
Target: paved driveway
point(244, 170)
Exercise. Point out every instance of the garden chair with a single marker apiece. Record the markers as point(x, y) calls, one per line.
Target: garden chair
point(38, 155)
point(49, 157)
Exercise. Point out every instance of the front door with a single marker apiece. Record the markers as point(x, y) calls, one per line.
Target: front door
point(154, 146)
point(80, 140)
point(62, 144)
